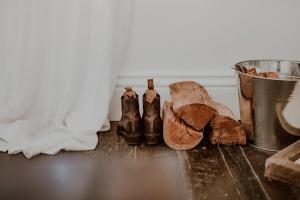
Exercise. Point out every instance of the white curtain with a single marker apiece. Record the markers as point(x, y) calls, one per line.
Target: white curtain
point(58, 63)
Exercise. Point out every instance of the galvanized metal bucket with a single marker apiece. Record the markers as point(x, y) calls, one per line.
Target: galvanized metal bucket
point(270, 107)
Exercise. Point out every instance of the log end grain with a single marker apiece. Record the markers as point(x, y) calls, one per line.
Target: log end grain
point(192, 103)
point(178, 135)
point(225, 128)
point(196, 115)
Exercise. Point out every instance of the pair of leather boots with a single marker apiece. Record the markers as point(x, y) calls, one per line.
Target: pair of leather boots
point(135, 128)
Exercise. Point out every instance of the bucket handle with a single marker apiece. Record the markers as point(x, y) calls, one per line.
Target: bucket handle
point(284, 123)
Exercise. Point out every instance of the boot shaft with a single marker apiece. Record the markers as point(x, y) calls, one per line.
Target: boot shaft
point(130, 125)
point(151, 100)
point(152, 121)
point(151, 109)
point(130, 104)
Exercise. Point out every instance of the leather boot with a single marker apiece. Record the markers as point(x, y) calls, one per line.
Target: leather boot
point(130, 125)
point(152, 122)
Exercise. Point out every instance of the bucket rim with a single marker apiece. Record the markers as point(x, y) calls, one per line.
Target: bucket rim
point(288, 78)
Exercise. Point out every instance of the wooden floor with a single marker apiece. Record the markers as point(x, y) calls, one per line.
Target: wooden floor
point(118, 171)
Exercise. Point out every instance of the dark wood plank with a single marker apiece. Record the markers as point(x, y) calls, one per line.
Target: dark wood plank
point(245, 179)
point(154, 152)
point(113, 146)
point(67, 175)
point(114, 170)
point(164, 171)
point(206, 175)
point(275, 189)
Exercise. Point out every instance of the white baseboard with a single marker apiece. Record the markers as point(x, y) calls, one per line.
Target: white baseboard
point(221, 88)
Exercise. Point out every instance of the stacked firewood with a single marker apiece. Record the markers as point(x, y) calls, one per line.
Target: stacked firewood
point(190, 110)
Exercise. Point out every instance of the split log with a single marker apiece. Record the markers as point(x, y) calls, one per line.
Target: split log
point(246, 82)
point(177, 134)
point(246, 114)
point(268, 74)
point(192, 103)
point(225, 127)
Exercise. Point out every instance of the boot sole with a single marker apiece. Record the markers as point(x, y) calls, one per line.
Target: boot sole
point(153, 138)
point(132, 138)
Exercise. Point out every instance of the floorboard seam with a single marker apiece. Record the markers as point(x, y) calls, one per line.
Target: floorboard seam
point(179, 156)
point(256, 176)
point(135, 154)
point(229, 171)
point(187, 161)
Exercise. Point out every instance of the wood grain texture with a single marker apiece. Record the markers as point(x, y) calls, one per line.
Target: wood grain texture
point(276, 189)
point(205, 173)
point(191, 102)
point(282, 166)
point(225, 127)
point(246, 115)
point(115, 170)
point(245, 178)
point(177, 134)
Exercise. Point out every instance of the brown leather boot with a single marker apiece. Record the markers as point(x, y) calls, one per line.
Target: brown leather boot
point(130, 125)
point(152, 122)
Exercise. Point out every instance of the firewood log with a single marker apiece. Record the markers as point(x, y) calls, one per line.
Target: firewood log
point(268, 74)
point(192, 103)
point(246, 82)
point(177, 134)
point(225, 127)
point(246, 114)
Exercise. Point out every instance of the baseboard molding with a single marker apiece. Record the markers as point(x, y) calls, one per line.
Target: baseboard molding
point(221, 87)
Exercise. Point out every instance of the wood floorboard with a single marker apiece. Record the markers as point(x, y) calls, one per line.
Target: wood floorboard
point(155, 152)
point(111, 145)
point(245, 179)
point(115, 170)
point(185, 172)
point(275, 189)
point(164, 165)
point(206, 173)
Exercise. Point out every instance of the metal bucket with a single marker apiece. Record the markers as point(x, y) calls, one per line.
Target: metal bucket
point(270, 107)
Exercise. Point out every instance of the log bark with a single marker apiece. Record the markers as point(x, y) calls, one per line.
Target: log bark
point(268, 74)
point(192, 103)
point(225, 127)
point(177, 134)
point(246, 88)
point(246, 82)
point(246, 114)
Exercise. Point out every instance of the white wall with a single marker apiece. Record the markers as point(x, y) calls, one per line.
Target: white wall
point(202, 39)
